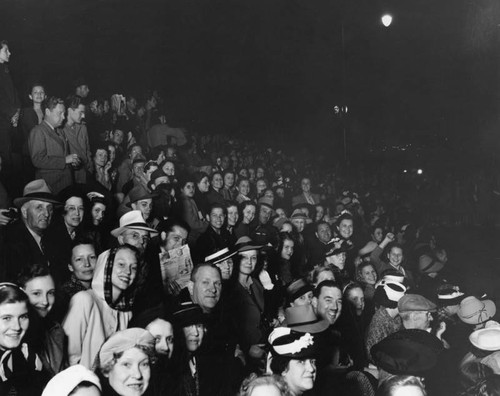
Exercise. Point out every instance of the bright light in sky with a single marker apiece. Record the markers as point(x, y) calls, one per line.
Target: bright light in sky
point(387, 20)
point(419, 171)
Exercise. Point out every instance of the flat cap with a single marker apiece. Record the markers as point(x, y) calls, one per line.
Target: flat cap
point(415, 302)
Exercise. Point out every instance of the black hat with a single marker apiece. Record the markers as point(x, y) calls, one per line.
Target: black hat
point(298, 288)
point(407, 352)
point(188, 313)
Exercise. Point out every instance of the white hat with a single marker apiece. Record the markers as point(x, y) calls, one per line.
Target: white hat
point(132, 220)
point(66, 381)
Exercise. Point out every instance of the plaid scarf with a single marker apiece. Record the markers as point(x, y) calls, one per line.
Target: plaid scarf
point(126, 299)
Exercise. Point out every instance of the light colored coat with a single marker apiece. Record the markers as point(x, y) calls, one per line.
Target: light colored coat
point(90, 320)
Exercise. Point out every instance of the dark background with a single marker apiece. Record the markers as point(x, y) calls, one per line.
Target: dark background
point(275, 66)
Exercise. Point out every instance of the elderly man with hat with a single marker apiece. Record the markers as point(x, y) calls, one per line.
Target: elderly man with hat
point(23, 239)
point(134, 230)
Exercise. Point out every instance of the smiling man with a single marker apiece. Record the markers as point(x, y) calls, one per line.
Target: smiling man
point(327, 301)
point(216, 237)
point(23, 236)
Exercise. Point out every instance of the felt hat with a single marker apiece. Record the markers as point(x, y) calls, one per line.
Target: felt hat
point(428, 264)
point(36, 190)
point(187, 314)
point(75, 190)
point(303, 319)
point(124, 340)
point(245, 243)
point(298, 214)
point(487, 339)
point(296, 345)
point(266, 201)
point(388, 293)
point(62, 384)
point(137, 193)
point(475, 311)
point(132, 220)
point(298, 288)
point(220, 256)
point(415, 302)
point(407, 352)
point(449, 295)
point(157, 174)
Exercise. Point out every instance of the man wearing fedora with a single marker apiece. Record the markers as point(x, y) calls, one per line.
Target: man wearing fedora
point(134, 230)
point(24, 246)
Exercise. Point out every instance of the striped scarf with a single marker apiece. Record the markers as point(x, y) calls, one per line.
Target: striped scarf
point(126, 299)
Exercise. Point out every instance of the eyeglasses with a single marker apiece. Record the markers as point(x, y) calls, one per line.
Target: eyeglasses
point(138, 237)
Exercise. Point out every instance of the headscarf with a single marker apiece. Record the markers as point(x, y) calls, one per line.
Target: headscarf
point(66, 381)
point(126, 298)
point(124, 340)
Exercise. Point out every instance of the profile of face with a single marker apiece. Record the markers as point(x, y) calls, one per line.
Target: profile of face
point(265, 213)
point(395, 256)
point(304, 299)
point(324, 233)
point(37, 94)
point(100, 157)
point(229, 180)
point(300, 375)
point(356, 298)
point(346, 228)
point(55, 117)
point(41, 292)
point(117, 137)
point(287, 251)
point(206, 288)
point(37, 215)
point(378, 235)
point(145, 206)
point(368, 275)
point(232, 215)
point(176, 238)
point(112, 153)
point(168, 168)
point(248, 214)
point(135, 237)
point(244, 187)
point(98, 211)
point(14, 322)
point(76, 115)
point(299, 224)
point(188, 190)
point(203, 185)
point(248, 261)
point(305, 184)
point(4, 54)
point(83, 261)
point(193, 335)
point(131, 373)
point(163, 332)
point(73, 212)
point(338, 260)
point(124, 270)
point(216, 218)
point(226, 268)
point(217, 181)
point(328, 305)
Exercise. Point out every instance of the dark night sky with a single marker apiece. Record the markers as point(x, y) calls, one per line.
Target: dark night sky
point(270, 64)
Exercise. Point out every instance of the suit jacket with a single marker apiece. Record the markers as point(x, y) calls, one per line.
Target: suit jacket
point(301, 199)
point(48, 150)
point(28, 120)
point(21, 251)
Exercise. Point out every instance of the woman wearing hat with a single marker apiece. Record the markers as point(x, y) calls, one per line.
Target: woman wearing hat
point(294, 358)
point(74, 381)
point(99, 312)
point(124, 364)
point(21, 370)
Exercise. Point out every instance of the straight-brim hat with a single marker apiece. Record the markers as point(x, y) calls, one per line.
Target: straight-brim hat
point(36, 190)
point(449, 295)
point(486, 339)
point(66, 381)
point(187, 314)
point(407, 352)
point(388, 293)
point(475, 311)
point(295, 345)
point(415, 302)
point(132, 220)
point(137, 193)
point(124, 340)
point(428, 265)
point(298, 288)
point(245, 243)
point(266, 201)
point(303, 319)
point(298, 214)
point(220, 256)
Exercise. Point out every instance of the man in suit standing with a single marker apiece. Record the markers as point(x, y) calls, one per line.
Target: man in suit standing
point(49, 148)
point(23, 237)
point(306, 197)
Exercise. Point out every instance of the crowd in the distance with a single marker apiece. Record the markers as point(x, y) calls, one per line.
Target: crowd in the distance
point(141, 259)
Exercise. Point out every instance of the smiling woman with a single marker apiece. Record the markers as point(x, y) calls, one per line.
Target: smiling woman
point(97, 313)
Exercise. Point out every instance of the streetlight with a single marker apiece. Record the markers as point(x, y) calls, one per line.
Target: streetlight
point(386, 20)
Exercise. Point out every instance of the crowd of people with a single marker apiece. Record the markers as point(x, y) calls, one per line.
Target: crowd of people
point(141, 259)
